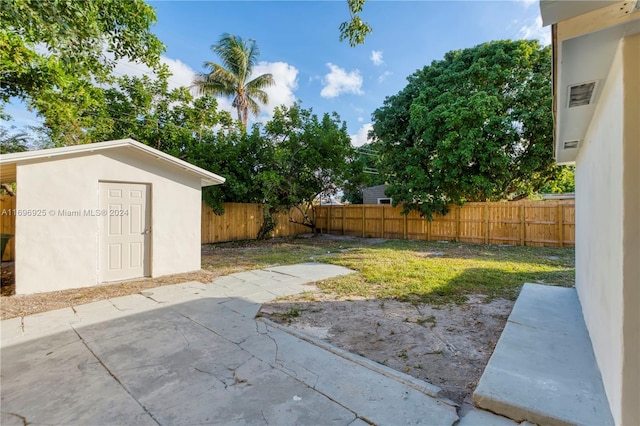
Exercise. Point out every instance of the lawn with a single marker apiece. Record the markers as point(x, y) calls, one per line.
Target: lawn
point(414, 271)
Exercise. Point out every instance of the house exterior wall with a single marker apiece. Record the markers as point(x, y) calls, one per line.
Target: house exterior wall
point(631, 238)
point(56, 252)
point(372, 194)
point(607, 257)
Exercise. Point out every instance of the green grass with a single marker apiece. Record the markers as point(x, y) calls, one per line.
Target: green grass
point(245, 255)
point(411, 271)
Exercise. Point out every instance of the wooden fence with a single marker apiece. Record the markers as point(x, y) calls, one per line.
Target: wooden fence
point(242, 222)
point(539, 223)
point(8, 223)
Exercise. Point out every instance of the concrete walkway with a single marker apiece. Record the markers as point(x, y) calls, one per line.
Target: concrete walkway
point(543, 369)
point(194, 353)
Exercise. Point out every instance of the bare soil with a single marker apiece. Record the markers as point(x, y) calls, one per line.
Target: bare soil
point(448, 346)
point(12, 305)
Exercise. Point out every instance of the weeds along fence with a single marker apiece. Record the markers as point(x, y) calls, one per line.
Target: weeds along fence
point(539, 223)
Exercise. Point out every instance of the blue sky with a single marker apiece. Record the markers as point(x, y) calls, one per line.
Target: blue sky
point(299, 45)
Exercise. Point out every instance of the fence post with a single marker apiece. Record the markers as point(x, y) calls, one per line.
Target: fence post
point(486, 223)
point(561, 224)
point(457, 217)
point(325, 220)
point(404, 231)
point(522, 225)
point(383, 209)
point(363, 213)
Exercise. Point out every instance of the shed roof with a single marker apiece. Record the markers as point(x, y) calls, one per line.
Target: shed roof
point(8, 162)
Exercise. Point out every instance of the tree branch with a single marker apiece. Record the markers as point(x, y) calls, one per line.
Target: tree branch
point(7, 188)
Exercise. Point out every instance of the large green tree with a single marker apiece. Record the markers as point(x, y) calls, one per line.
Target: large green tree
point(312, 157)
point(240, 157)
point(146, 109)
point(233, 78)
point(52, 53)
point(474, 126)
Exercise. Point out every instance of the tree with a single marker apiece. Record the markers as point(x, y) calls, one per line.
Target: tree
point(233, 78)
point(564, 180)
point(368, 157)
point(146, 110)
point(474, 126)
point(355, 30)
point(53, 53)
point(240, 157)
point(11, 141)
point(311, 157)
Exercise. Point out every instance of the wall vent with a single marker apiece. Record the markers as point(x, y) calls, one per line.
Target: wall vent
point(581, 94)
point(570, 144)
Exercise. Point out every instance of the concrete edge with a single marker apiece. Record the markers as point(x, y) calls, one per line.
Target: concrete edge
point(529, 416)
point(417, 384)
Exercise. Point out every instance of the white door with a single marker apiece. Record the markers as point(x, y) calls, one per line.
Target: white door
point(125, 231)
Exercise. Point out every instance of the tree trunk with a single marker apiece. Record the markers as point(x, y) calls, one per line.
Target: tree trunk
point(269, 223)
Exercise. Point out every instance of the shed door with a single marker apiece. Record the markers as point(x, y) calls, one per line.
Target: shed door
point(125, 231)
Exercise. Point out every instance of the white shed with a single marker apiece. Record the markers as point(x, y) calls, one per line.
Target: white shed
point(103, 212)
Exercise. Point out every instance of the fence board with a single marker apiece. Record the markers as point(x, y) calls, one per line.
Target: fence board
point(242, 221)
point(533, 223)
point(542, 223)
point(8, 224)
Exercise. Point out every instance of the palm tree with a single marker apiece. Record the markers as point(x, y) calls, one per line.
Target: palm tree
point(231, 78)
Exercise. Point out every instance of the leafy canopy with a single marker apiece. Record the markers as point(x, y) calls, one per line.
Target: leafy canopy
point(233, 78)
point(475, 126)
point(53, 52)
point(312, 156)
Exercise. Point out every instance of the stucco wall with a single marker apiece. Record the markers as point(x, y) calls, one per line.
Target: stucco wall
point(58, 252)
point(605, 176)
point(631, 238)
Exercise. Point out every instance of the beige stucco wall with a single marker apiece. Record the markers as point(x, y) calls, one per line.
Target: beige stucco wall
point(57, 252)
point(631, 233)
point(607, 253)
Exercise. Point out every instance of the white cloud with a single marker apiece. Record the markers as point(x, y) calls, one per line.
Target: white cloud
point(182, 74)
point(339, 81)
point(282, 93)
point(360, 138)
point(285, 76)
point(533, 29)
point(360, 119)
point(383, 76)
point(376, 57)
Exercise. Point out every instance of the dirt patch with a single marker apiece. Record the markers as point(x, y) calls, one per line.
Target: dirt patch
point(7, 278)
point(448, 346)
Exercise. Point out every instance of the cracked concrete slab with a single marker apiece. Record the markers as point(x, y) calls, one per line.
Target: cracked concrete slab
point(179, 355)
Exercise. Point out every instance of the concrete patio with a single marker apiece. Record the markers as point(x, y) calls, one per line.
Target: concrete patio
point(195, 354)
